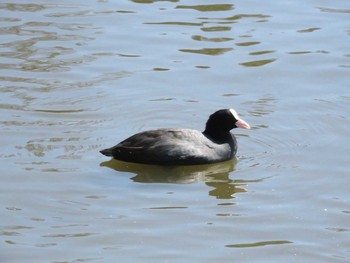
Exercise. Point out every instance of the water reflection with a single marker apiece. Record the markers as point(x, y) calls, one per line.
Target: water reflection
point(260, 17)
point(174, 23)
point(207, 51)
point(174, 174)
point(23, 7)
point(207, 8)
point(334, 10)
point(42, 46)
point(263, 106)
point(214, 175)
point(217, 30)
point(211, 39)
point(260, 244)
point(257, 63)
point(152, 1)
point(248, 43)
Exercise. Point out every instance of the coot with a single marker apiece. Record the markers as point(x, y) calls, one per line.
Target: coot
point(183, 146)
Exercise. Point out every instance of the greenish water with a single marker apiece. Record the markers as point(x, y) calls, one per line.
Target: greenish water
point(80, 76)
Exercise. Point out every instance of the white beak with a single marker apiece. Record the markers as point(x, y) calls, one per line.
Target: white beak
point(242, 124)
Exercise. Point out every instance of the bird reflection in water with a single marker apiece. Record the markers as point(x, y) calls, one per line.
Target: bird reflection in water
point(214, 175)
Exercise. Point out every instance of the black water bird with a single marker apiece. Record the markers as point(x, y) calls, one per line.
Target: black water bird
point(175, 146)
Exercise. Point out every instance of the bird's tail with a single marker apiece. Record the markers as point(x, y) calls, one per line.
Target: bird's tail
point(106, 152)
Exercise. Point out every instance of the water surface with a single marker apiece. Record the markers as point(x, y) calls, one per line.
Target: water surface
point(79, 76)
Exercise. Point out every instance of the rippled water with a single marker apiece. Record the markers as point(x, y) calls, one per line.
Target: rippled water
point(79, 76)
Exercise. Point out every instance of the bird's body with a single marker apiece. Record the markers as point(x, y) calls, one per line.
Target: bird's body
point(182, 146)
point(172, 147)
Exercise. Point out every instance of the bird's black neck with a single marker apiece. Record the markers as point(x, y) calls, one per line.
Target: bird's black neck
point(217, 135)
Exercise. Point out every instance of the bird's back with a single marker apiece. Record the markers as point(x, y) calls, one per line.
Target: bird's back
point(171, 147)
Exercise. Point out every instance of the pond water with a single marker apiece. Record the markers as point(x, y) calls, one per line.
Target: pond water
point(79, 76)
